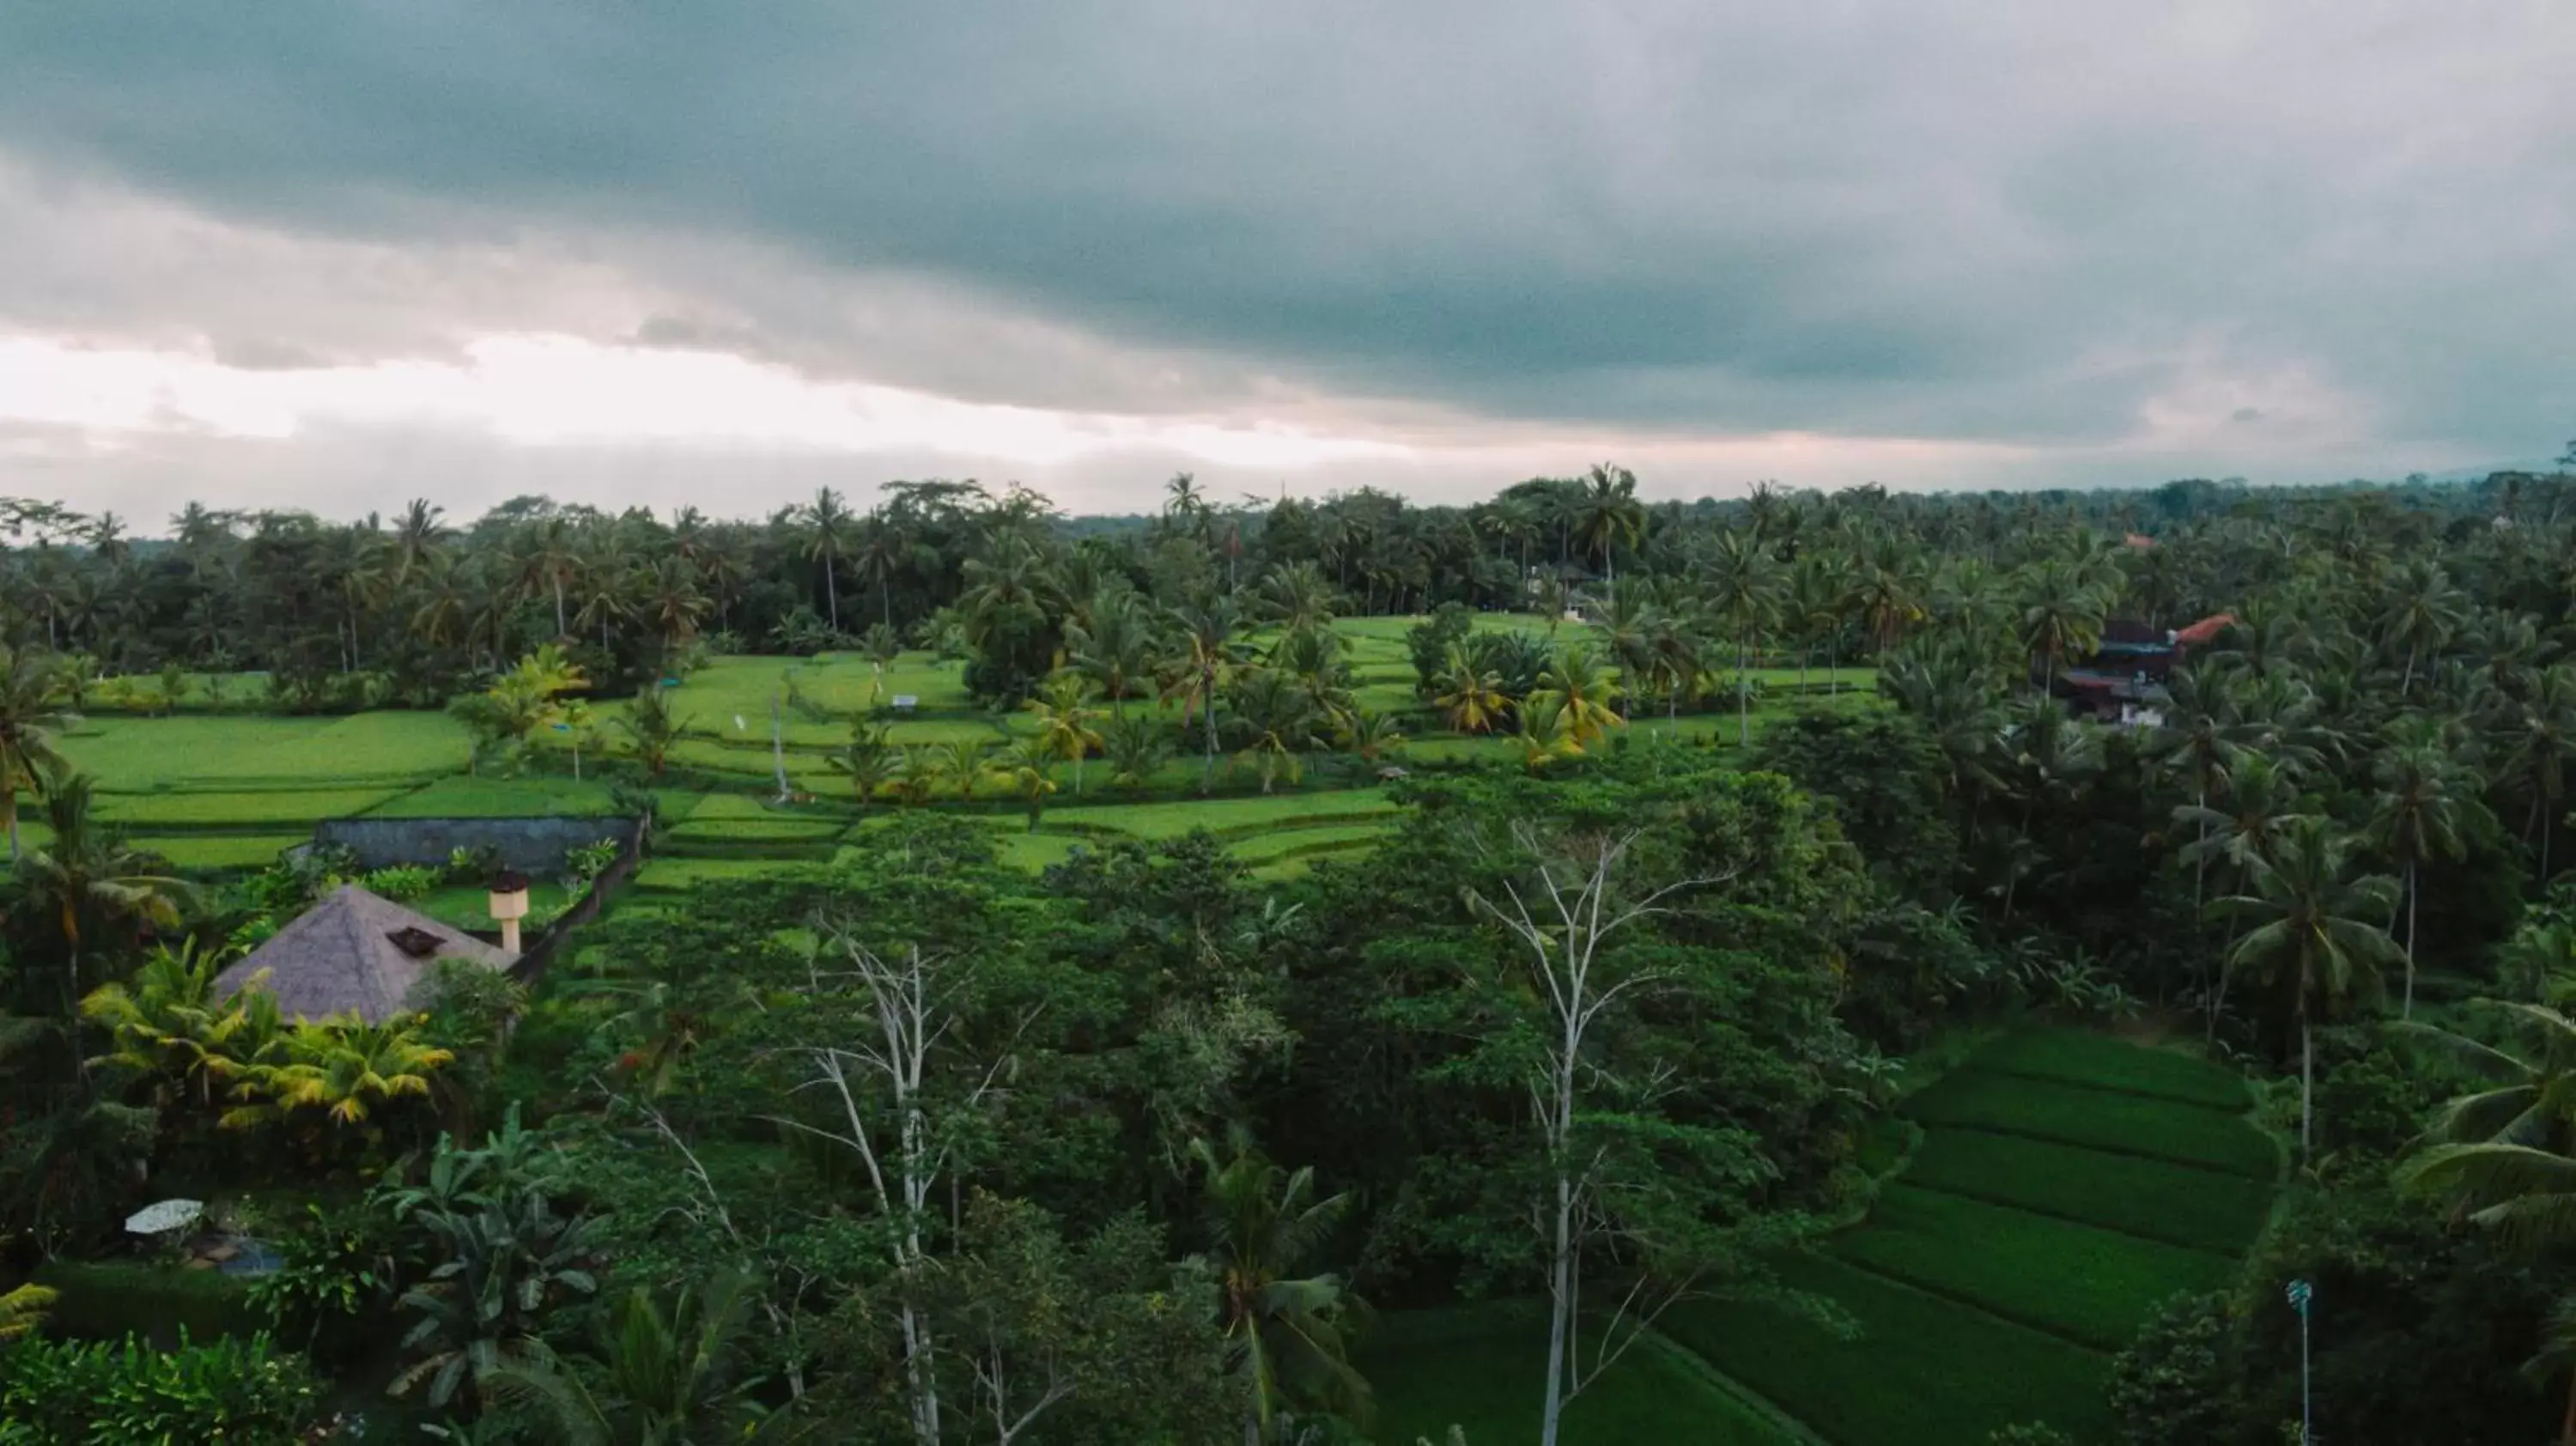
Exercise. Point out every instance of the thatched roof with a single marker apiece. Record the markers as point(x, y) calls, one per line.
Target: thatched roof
point(353, 953)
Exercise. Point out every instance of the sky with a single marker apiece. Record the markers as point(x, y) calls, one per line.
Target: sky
point(334, 254)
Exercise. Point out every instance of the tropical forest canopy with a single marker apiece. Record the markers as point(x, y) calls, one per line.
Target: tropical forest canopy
point(2018, 1052)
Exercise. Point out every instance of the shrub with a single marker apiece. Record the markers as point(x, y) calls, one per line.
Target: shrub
point(74, 1393)
point(402, 885)
point(473, 865)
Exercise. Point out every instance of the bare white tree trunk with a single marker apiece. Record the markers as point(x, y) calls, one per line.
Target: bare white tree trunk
point(879, 1083)
point(1571, 909)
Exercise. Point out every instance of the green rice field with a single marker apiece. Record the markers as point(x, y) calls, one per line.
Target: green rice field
point(1989, 1285)
point(226, 790)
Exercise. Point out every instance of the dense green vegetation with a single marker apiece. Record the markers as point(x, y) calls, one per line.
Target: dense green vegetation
point(1572, 969)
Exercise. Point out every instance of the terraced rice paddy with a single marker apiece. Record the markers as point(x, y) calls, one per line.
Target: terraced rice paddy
point(1992, 1280)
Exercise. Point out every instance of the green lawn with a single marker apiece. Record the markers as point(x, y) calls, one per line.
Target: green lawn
point(468, 906)
point(2149, 1198)
point(2102, 1119)
point(1480, 1367)
point(1172, 818)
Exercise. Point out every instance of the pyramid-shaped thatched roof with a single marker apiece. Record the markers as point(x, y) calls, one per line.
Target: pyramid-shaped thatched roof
point(343, 956)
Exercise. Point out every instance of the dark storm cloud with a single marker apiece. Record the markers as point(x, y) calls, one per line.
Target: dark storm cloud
point(2031, 223)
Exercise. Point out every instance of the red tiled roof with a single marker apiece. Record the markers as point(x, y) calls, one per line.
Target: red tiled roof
point(2201, 634)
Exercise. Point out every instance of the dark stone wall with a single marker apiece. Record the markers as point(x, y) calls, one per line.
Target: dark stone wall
point(533, 846)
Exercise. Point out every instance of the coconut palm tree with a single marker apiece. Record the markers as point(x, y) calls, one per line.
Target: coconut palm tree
point(650, 723)
point(549, 559)
point(2425, 807)
point(1608, 514)
point(345, 1067)
point(1544, 737)
point(2538, 749)
point(1277, 721)
point(1023, 770)
point(1371, 734)
point(869, 760)
point(1470, 699)
point(883, 549)
point(1581, 692)
point(2063, 616)
point(660, 1371)
point(2309, 937)
point(89, 890)
point(883, 648)
point(2424, 613)
point(1114, 644)
point(1263, 1226)
point(829, 530)
point(1065, 716)
point(2502, 1156)
point(963, 762)
point(1742, 590)
point(166, 1024)
point(1208, 654)
point(29, 719)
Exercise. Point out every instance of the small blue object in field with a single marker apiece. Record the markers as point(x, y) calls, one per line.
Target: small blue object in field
point(2300, 1293)
point(670, 682)
point(563, 728)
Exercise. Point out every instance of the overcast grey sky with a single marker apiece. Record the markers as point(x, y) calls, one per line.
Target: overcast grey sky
point(333, 253)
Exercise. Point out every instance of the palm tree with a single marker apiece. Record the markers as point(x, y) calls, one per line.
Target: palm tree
point(1470, 699)
point(1133, 748)
point(2424, 612)
point(828, 529)
point(1277, 720)
point(1741, 590)
point(87, 886)
point(882, 646)
point(2063, 616)
point(1113, 645)
point(2541, 745)
point(1545, 738)
point(1024, 770)
point(963, 762)
point(1581, 692)
point(1370, 734)
point(2309, 935)
point(1064, 722)
point(650, 722)
point(1263, 1226)
point(2423, 807)
point(1209, 654)
point(869, 760)
point(2502, 1155)
point(657, 1373)
point(883, 549)
point(29, 720)
point(345, 1067)
point(549, 559)
point(167, 1025)
point(1608, 514)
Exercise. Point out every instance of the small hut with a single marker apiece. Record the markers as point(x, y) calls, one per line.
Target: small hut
point(353, 953)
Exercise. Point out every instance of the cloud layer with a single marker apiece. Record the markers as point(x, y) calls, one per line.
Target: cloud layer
point(2070, 241)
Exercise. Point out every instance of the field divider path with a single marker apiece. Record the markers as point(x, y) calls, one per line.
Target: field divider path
point(1989, 1128)
point(1690, 1362)
point(2001, 1202)
point(1969, 1304)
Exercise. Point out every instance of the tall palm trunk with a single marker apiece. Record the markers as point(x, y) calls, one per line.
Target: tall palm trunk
point(562, 629)
point(2407, 1010)
point(831, 596)
point(2307, 1089)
